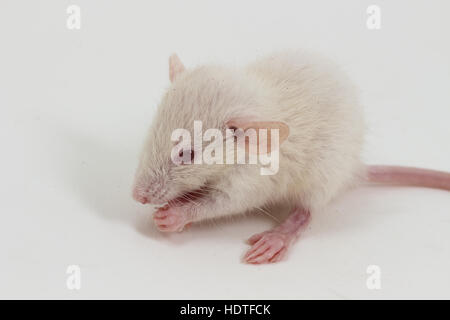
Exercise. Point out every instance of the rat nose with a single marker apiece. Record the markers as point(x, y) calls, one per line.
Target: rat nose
point(142, 200)
point(139, 196)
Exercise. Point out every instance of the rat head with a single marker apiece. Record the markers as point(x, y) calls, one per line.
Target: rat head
point(201, 109)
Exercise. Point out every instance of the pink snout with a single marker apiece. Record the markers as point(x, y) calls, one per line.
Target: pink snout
point(140, 196)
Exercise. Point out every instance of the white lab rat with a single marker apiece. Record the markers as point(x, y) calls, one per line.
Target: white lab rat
point(321, 129)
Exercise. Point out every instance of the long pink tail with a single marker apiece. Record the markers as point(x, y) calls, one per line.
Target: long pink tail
point(396, 175)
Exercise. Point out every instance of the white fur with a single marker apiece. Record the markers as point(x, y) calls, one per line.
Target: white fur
point(320, 158)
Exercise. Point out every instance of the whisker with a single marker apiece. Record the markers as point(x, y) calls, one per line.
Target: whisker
point(268, 214)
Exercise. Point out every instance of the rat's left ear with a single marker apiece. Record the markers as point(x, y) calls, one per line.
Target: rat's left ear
point(175, 67)
point(264, 143)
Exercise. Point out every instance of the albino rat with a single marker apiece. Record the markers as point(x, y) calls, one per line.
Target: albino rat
point(321, 129)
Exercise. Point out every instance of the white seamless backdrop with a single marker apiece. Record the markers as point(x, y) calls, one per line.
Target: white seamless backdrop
point(75, 106)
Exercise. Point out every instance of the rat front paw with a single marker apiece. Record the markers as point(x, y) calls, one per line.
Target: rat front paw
point(170, 219)
point(267, 247)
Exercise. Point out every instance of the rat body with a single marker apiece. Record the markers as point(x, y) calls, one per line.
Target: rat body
point(316, 110)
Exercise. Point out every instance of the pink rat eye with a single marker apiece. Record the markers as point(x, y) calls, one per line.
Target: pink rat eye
point(189, 152)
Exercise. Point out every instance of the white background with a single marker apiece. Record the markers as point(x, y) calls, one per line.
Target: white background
point(75, 105)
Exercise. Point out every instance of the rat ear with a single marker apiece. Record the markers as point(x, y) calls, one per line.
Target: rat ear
point(175, 67)
point(270, 129)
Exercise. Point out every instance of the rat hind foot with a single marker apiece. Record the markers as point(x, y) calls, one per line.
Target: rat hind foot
point(268, 247)
point(271, 246)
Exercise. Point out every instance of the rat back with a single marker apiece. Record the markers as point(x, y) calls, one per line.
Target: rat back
point(321, 156)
